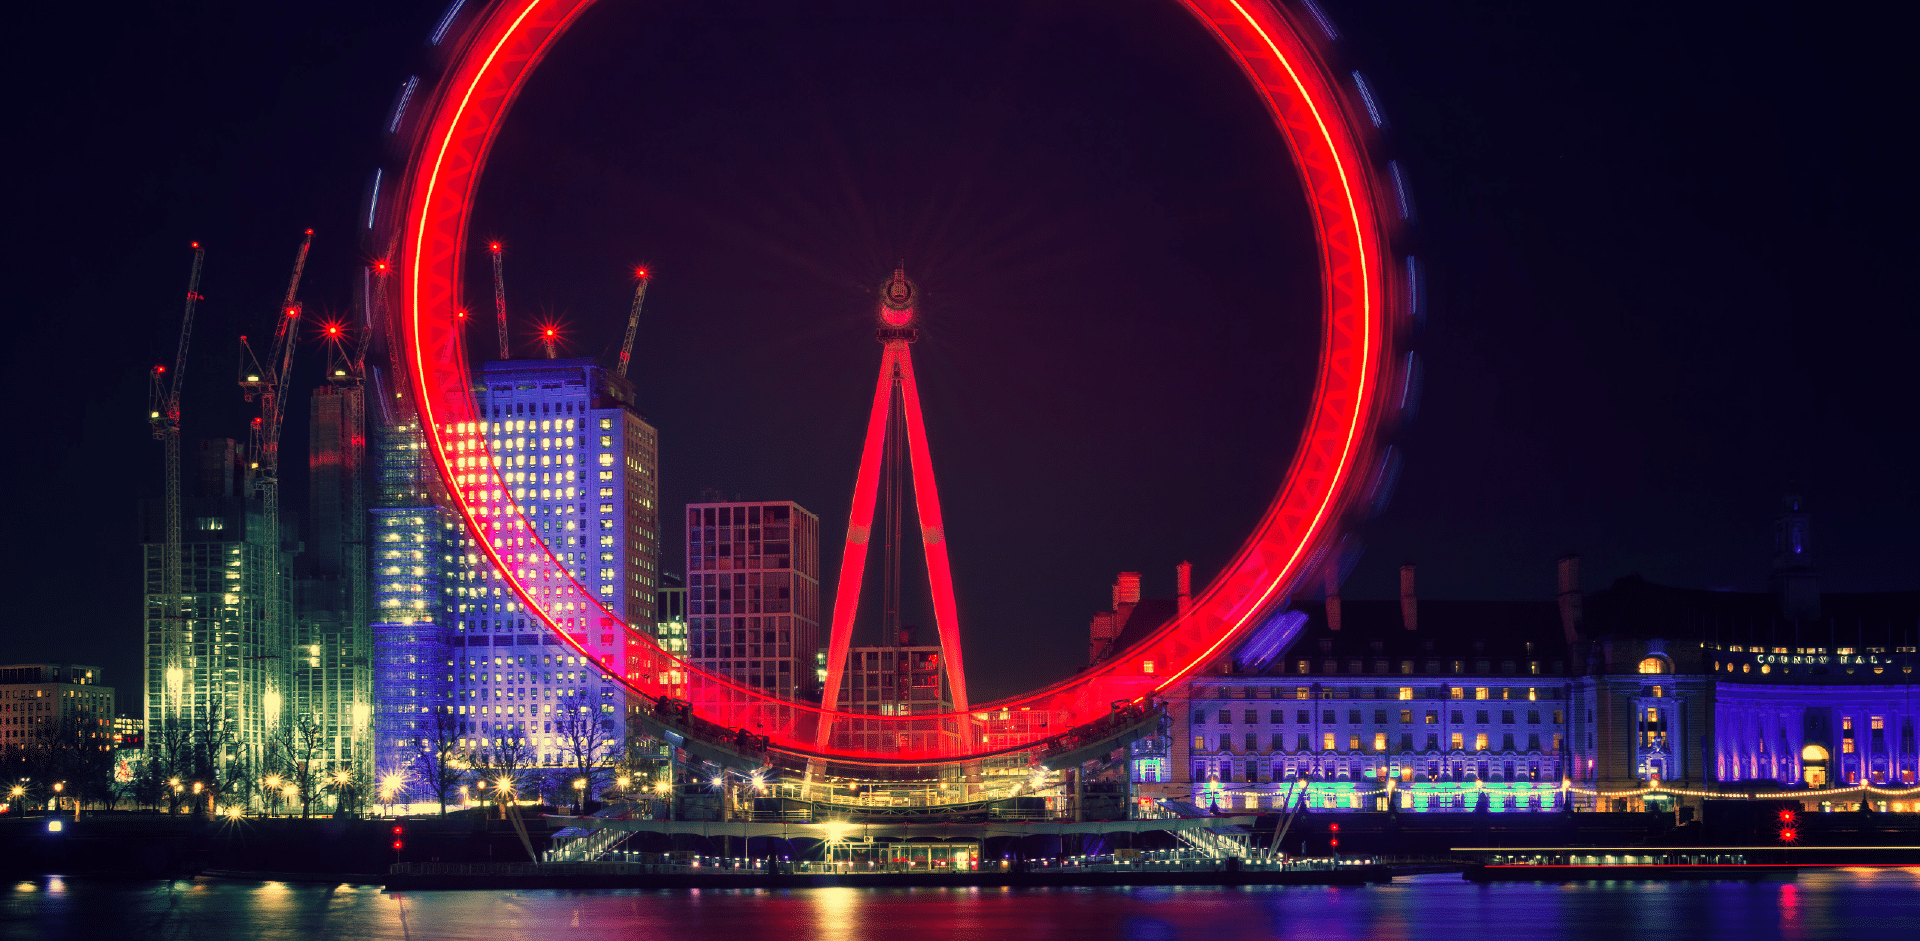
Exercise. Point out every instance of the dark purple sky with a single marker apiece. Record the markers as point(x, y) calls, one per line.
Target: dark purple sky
point(1670, 252)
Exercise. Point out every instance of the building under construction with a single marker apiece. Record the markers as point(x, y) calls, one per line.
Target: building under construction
point(217, 654)
point(258, 649)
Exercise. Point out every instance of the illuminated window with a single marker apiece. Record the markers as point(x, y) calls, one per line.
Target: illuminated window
point(1457, 742)
point(1656, 693)
point(1480, 692)
point(1846, 746)
point(1406, 692)
point(1878, 723)
point(1480, 741)
point(1380, 741)
point(1326, 741)
point(1654, 665)
point(1353, 742)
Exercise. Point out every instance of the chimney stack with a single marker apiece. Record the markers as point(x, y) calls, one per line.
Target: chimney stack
point(1569, 597)
point(1126, 589)
point(1409, 604)
point(1183, 585)
point(1333, 598)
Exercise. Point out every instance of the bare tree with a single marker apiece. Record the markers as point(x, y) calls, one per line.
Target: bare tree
point(588, 744)
point(499, 767)
point(168, 759)
point(294, 750)
point(69, 748)
point(439, 761)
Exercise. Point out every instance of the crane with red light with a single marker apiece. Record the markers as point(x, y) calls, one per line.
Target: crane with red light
point(269, 383)
point(500, 298)
point(633, 319)
point(163, 414)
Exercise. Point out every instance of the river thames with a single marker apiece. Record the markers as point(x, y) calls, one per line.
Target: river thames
point(1857, 903)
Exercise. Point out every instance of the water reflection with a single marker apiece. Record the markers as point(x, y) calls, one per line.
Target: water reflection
point(1831, 904)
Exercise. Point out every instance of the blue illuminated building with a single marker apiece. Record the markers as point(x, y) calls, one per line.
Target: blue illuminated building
point(1588, 698)
point(411, 559)
point(581, 464)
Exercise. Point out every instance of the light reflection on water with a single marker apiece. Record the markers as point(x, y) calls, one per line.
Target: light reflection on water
point(1830, 904)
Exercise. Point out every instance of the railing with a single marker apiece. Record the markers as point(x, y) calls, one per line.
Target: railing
point(1214, 844)
point(591, 843)
point(633, 863)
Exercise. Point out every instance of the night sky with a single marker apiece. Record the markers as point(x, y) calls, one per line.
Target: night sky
point(1669, 247)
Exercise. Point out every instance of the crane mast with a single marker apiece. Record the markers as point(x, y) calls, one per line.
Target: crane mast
point(269, 382)
point(633, 322)
point(163, 414)
point(499, 298)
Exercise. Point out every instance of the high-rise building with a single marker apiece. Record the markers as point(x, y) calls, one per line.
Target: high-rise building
point(332, 668)
point(41, 700)
point(753, 594)
point(670, 614)
point(412, 569)
point(581, 465)
point(217, 681)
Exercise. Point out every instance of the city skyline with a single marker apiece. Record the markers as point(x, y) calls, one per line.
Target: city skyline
point(1449, 515)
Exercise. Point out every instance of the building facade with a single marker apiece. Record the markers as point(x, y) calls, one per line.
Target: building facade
point(580, 468)
point(753, 594)
point(1427, 705)
point(42, 703)
point(332, 669)
point(1588, 699)
point(413, 574)
point(218, 666)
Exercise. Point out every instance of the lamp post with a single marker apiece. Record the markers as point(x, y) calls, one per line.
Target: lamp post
point(273, 791)
point(58, 788)
point(579, 796)
point(342, 790)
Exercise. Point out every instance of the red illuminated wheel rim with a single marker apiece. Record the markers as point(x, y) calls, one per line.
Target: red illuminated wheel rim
point(1335, 460)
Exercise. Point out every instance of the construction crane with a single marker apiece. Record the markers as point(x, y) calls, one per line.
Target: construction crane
point(163, 413)
point(499, 298)
point(633, 320)
point(269, 382)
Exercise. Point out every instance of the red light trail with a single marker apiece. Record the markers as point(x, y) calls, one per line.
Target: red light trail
point(1323, 127)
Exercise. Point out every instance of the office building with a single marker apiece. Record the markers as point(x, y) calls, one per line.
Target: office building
point(43, 703)
point(413, 609)
point(579, 467)
point(670, 614)
point(753, 594)
point(1589, 699)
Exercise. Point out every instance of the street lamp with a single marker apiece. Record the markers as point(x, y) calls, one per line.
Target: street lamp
point(579, 795)
point(390, 786)
point(341, 780)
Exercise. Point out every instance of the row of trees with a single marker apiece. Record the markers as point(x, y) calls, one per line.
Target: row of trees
point(74, 750)
point(197, 760)
point(198, 764)
point(445, 760)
